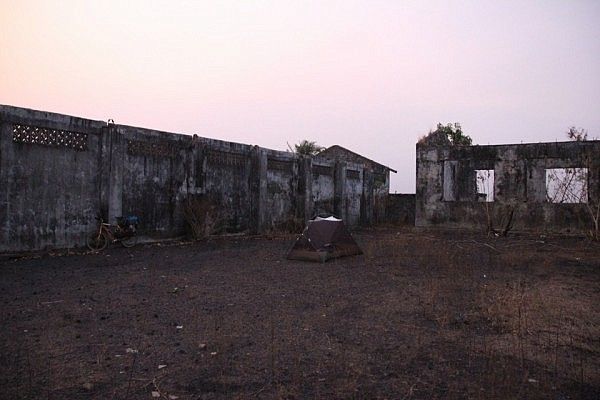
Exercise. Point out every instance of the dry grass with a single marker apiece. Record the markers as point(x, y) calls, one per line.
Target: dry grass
point(521, 323)
point(421, 315)
point(201, 216)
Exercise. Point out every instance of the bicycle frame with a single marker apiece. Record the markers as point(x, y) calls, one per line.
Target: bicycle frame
point(108, 233)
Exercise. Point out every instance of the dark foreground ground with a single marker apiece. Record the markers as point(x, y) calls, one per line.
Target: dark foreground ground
point(419, 316)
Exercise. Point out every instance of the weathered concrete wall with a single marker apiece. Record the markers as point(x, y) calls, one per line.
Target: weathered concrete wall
point(375, 179)
point(446, 192)
point(352, 195)
point(234, 177)
point(58, 172)
point(48, 193)
point(400, 209)
point(153, 176)
point(323, 186)
point(381, 190)
point(282, 198)
point(337, 188)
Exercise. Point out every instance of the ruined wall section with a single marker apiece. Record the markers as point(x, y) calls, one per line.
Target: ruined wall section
point(381, 189)
point(375, 179)
point(49, 178)
point(282, 199)
point(57, 173)
point(446, 193)
point(230, 179)
point(323, 186)
point(337, 189)
point(401, 209)
point(154, 177)
point(353, 193)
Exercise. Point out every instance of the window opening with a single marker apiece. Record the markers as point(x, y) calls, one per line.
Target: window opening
point(567, 185)
point(485, 185)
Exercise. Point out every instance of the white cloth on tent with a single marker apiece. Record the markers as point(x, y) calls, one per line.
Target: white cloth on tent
point(332, 218)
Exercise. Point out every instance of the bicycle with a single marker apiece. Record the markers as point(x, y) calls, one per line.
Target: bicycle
point(124, 231)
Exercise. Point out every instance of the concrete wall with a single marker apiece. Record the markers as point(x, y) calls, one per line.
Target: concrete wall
point(400, 209)
point(323, 186)
point(375, 181)
point(48, 193)
point(151, 173)
point(446, 192)
point(58, 172)
point(233, 177)
point(353, 194)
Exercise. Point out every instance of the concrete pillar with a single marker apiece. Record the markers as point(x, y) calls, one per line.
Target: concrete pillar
point(6, 186)
point(339, 190)
point(262, 203)
point(195, 167)
point(366, 201)
point(258, 190)
point(104, 171)
point(304, 207)
point(111, 173)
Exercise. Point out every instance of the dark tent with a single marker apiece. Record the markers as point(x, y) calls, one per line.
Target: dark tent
point(323, 239)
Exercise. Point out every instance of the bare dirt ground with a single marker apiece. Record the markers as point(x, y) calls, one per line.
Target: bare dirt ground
point(421, 315)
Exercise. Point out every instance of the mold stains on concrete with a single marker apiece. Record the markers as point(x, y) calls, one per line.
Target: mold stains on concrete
point(58, 172)
point(449, 193)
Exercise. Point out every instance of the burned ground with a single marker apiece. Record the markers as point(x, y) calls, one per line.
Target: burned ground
point(420, 315)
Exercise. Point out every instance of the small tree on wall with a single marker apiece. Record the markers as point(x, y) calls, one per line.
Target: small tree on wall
point(577, 134)
point(455, 134)
point(307, 148)
point(449, 134)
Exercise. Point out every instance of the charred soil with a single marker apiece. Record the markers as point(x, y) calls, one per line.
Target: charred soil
point(420, 315)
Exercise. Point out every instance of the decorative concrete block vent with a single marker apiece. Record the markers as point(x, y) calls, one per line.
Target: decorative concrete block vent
point(117, 170)
point(28, 134)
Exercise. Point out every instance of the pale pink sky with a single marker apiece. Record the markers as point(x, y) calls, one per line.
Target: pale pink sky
point(369, 75)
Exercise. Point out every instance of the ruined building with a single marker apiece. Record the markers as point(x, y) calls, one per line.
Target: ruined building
point(377, 175)
point(534, 187)
point(57, 172)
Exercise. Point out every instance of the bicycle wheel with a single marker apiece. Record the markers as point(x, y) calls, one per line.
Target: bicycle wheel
point(130, 241)
point(97, 241)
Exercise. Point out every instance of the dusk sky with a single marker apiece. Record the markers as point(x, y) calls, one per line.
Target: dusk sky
point(371, 76)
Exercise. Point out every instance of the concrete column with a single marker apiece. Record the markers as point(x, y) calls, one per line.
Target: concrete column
point(115, 152)
point(258, 190)
point(366, 201)
point(339, 190)
point(6, 162)
point(304, 208)
point(262, 203)
point(536, 181)
point(104, 171)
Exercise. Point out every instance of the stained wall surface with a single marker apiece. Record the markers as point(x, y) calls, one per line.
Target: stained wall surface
point(372, 175)
point(48, 190)
point(400, 209)
point(447, 193)
point(57, 173)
